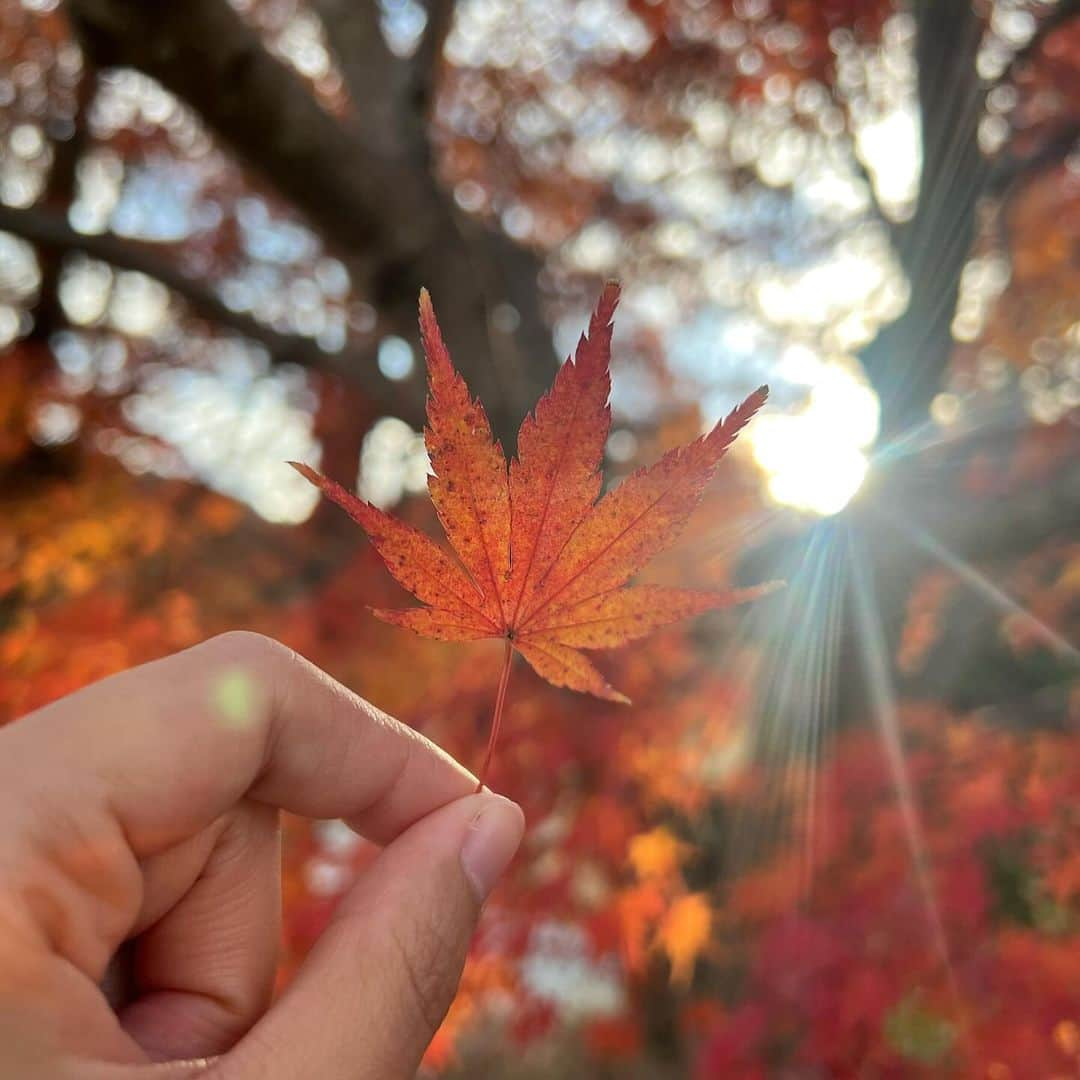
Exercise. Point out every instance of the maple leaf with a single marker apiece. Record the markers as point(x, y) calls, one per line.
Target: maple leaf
point(542, 561)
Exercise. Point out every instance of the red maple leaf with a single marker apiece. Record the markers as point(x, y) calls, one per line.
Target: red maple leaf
point(540, 562)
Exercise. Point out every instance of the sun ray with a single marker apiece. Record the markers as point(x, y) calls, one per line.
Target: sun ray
point(995, 596)
point(795, 706)
point(873, 655)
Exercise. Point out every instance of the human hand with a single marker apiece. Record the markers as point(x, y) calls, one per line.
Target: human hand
point(145, 807)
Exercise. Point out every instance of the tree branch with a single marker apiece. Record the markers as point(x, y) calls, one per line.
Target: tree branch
point(388, 217)
point(208, 56)
point(47, 313)
point(392, 95)
point(469, 268)
point(373, 76)
point(1010, 171)
point(906, 360)
point(50, 230)
point(424, 66)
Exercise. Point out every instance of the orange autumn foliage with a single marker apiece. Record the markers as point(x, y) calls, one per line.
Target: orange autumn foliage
point(684, 934)
point(657, 853)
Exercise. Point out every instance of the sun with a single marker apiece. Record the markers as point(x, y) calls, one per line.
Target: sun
point(816, 459)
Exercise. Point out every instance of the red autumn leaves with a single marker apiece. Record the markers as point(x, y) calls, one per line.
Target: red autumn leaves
point(541, 562)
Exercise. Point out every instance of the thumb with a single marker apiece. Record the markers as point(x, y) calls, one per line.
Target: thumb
point(380, 979)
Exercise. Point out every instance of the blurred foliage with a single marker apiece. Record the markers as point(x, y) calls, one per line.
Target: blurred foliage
point(761, 869)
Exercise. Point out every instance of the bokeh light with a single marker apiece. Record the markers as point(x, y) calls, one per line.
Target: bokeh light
point(831, 835)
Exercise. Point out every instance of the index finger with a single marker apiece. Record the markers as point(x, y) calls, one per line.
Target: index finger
point(173, 744)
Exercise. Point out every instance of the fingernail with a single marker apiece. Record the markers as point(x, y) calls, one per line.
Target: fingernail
point(490, 842)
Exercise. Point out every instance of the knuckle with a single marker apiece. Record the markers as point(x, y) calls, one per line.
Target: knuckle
point(255, 673)
point(247, 645)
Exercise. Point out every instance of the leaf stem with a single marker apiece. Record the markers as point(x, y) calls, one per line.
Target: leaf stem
point(496, 719)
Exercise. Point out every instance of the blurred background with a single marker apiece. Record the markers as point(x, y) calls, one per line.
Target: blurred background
point(838, 833)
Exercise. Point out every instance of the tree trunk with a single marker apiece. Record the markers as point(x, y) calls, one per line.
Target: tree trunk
point(355, 179)
point(905, 361)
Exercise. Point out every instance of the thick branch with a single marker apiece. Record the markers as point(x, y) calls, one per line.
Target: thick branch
point(385, 214)
point(68, 146)
point(424, 66)
point(391, 95)
point(373, 76)
point(207, 55)
point(1012, 170)
point(470, 270)
point(906, 360)
point(50, 230)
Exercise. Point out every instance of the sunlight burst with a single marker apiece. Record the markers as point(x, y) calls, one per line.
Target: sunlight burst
point(816, 459)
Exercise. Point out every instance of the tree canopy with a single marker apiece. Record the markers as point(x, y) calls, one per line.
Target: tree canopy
point(836, 834)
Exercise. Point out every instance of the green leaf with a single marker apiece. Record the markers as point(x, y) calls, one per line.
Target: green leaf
point(918, 1033)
